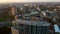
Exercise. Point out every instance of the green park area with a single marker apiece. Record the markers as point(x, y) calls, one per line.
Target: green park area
point(2, 19)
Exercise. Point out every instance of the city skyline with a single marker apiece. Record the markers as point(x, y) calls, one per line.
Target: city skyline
point(15, 1)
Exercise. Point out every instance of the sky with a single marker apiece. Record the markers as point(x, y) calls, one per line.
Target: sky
point(14, 1)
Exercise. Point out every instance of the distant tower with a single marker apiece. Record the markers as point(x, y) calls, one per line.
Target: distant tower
point(13, 11)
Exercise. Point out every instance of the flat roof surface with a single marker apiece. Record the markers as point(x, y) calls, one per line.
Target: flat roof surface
point(34, 23)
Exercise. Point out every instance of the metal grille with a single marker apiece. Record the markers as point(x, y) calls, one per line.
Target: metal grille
point(29, 29)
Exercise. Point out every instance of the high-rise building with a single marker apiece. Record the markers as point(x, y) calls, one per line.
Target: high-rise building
point(30, 27)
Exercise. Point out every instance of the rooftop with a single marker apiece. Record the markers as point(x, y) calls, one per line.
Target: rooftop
point(34, 23)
